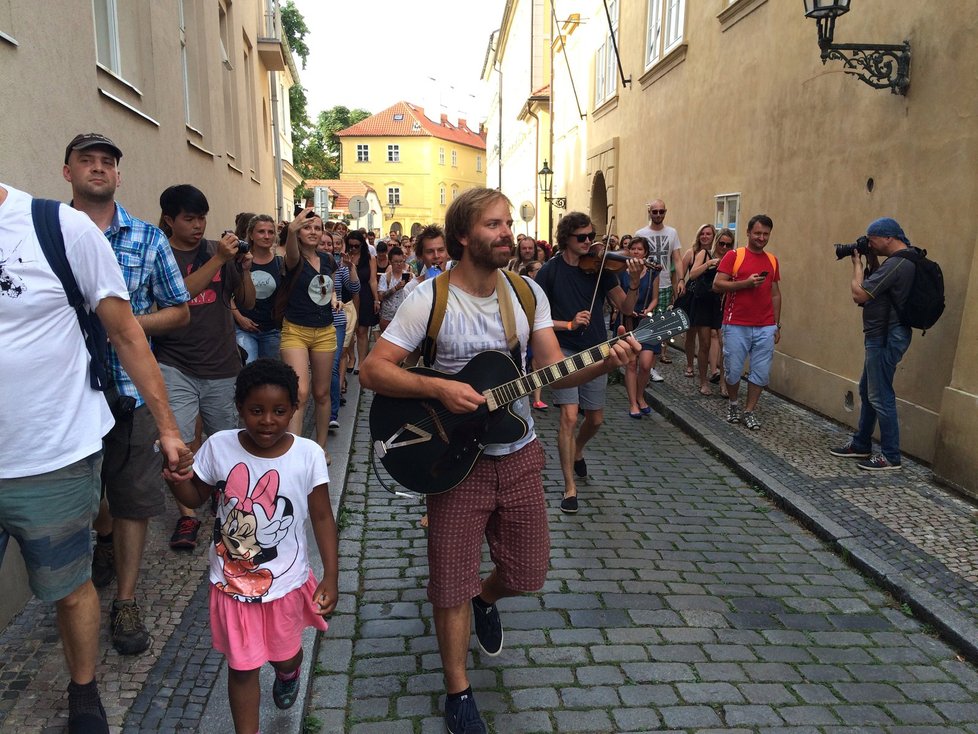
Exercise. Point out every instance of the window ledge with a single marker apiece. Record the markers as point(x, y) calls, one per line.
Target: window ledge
point(736, 12)
point(200, 148)
point(9, 39)
point(664, 65)
point(605, 107)
point(108, 72)
point(235, 169)
point(122, 103)
point(256, 180)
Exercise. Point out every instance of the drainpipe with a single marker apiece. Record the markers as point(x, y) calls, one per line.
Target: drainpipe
point(270, 15)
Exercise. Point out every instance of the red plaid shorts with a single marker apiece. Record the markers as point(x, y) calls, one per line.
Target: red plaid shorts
point(502, 499)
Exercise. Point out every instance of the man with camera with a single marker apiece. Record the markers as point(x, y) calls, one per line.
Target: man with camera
point(201, 360)
point(880, 290)
point(130, 465)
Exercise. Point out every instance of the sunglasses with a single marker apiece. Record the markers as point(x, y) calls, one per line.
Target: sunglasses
point(322, 286)
point(586, 236)
point(657, 211)
point(724, 244)
point(353, 247)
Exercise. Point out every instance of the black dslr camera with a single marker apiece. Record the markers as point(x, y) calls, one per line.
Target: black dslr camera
point(861, 246)
point(243, 246)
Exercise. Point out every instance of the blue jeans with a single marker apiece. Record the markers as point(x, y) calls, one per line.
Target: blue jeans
point(259, 343)
point(334, 384)
point(878, 401)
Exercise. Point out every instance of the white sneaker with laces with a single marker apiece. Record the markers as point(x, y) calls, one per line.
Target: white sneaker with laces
point(655, 376)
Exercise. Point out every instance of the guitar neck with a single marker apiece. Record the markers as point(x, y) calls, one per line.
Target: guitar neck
point(514, 390)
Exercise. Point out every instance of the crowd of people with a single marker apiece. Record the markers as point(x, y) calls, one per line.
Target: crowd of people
point(217, 346)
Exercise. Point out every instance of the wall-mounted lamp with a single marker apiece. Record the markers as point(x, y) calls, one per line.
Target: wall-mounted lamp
point(546, 177)
point(881, 66)
point(391, 208)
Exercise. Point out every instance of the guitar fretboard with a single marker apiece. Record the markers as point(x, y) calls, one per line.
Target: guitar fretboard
point(512, 391)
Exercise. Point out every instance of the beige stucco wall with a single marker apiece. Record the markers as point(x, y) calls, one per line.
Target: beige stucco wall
point(751, 109)
point(52, 89)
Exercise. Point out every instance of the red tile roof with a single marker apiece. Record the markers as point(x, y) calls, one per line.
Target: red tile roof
point(344, 190)
point(404, 119)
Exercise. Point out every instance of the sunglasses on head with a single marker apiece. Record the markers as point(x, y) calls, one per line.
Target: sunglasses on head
point(586, 236)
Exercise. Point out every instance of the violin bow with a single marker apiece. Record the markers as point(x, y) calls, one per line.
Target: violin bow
point(604, 256)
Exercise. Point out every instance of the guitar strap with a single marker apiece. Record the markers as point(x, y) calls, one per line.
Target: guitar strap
point(439, 304)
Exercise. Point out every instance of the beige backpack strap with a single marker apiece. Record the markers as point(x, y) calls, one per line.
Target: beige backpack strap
point(506, 311)
point(439, 303)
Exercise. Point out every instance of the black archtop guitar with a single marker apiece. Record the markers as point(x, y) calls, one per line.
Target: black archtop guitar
point(428, 449)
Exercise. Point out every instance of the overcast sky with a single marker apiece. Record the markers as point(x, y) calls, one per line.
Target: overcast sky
point(372, 53)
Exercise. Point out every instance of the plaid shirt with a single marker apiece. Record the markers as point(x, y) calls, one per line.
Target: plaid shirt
point(151, 275)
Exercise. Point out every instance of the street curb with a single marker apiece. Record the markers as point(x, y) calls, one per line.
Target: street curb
point(956, 628)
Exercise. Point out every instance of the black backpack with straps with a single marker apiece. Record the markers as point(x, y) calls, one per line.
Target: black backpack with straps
point(925, 302)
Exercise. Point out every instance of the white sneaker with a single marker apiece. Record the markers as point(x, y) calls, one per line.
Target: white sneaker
point(655, 376)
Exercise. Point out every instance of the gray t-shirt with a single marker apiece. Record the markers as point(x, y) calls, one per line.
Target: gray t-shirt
point(890, 283)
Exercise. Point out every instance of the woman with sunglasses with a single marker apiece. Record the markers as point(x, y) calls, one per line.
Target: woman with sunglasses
point(706, 310)
point(308, 334)
point(369, 314)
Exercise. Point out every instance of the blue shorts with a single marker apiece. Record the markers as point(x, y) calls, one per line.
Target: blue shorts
point(50, 516)
point(590, 395)
point(739, 342)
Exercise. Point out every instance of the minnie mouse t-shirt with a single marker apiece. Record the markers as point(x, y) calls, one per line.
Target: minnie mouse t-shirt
point(258, 552)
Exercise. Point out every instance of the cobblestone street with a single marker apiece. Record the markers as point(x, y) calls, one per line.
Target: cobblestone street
point(680, 599)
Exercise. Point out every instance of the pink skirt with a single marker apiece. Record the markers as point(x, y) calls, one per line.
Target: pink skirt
point(252, 634)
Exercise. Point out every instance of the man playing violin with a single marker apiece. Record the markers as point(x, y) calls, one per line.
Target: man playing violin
point(577, 300)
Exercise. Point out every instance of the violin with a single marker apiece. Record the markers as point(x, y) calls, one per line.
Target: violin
point(614, 262)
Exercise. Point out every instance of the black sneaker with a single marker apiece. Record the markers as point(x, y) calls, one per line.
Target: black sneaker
point(488, 628)
point(877, 463)
point(103, 563)
point(86, 715)
point(462, 716)
point(580, 468)
point(849, 452)
point(129, 634)
point(568, 505)
point(185, 535)
point(285, 692)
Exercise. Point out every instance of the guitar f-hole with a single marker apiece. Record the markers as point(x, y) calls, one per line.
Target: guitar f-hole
point(436, 419)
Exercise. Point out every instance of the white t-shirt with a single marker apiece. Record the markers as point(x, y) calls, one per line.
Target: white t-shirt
point(662, 244)
point(472, 325)
point(43, 359)
point(260, 553)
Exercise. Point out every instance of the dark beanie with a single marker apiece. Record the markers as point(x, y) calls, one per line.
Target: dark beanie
point(887, 227)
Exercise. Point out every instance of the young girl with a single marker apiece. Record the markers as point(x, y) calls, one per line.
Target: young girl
point(263, 592)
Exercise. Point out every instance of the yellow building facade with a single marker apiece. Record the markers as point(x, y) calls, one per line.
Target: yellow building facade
point(417, 165)
point(723, 109)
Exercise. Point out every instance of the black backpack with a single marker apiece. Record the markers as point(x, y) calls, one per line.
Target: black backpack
point(925, 302)
point(47, 225)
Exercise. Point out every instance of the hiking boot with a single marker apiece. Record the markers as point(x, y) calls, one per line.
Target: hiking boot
point(733, 413)
point(849, 452)
point(877, 463)
point(103, 563)
point(285, 692)
point(750, 420)
point(462, 716)
point(185, 535)
point(488, 628)
point(129, 634)
point(86, 715)
point(654, 375)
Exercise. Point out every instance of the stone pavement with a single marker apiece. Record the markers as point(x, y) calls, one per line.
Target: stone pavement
point(680, 599)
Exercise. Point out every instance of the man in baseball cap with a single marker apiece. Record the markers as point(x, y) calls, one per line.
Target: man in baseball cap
point(91, 140)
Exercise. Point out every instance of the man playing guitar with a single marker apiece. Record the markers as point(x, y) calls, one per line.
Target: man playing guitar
point(502, 498)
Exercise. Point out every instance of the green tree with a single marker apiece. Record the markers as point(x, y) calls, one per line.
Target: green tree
point(295, 29)
point(328, 124)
